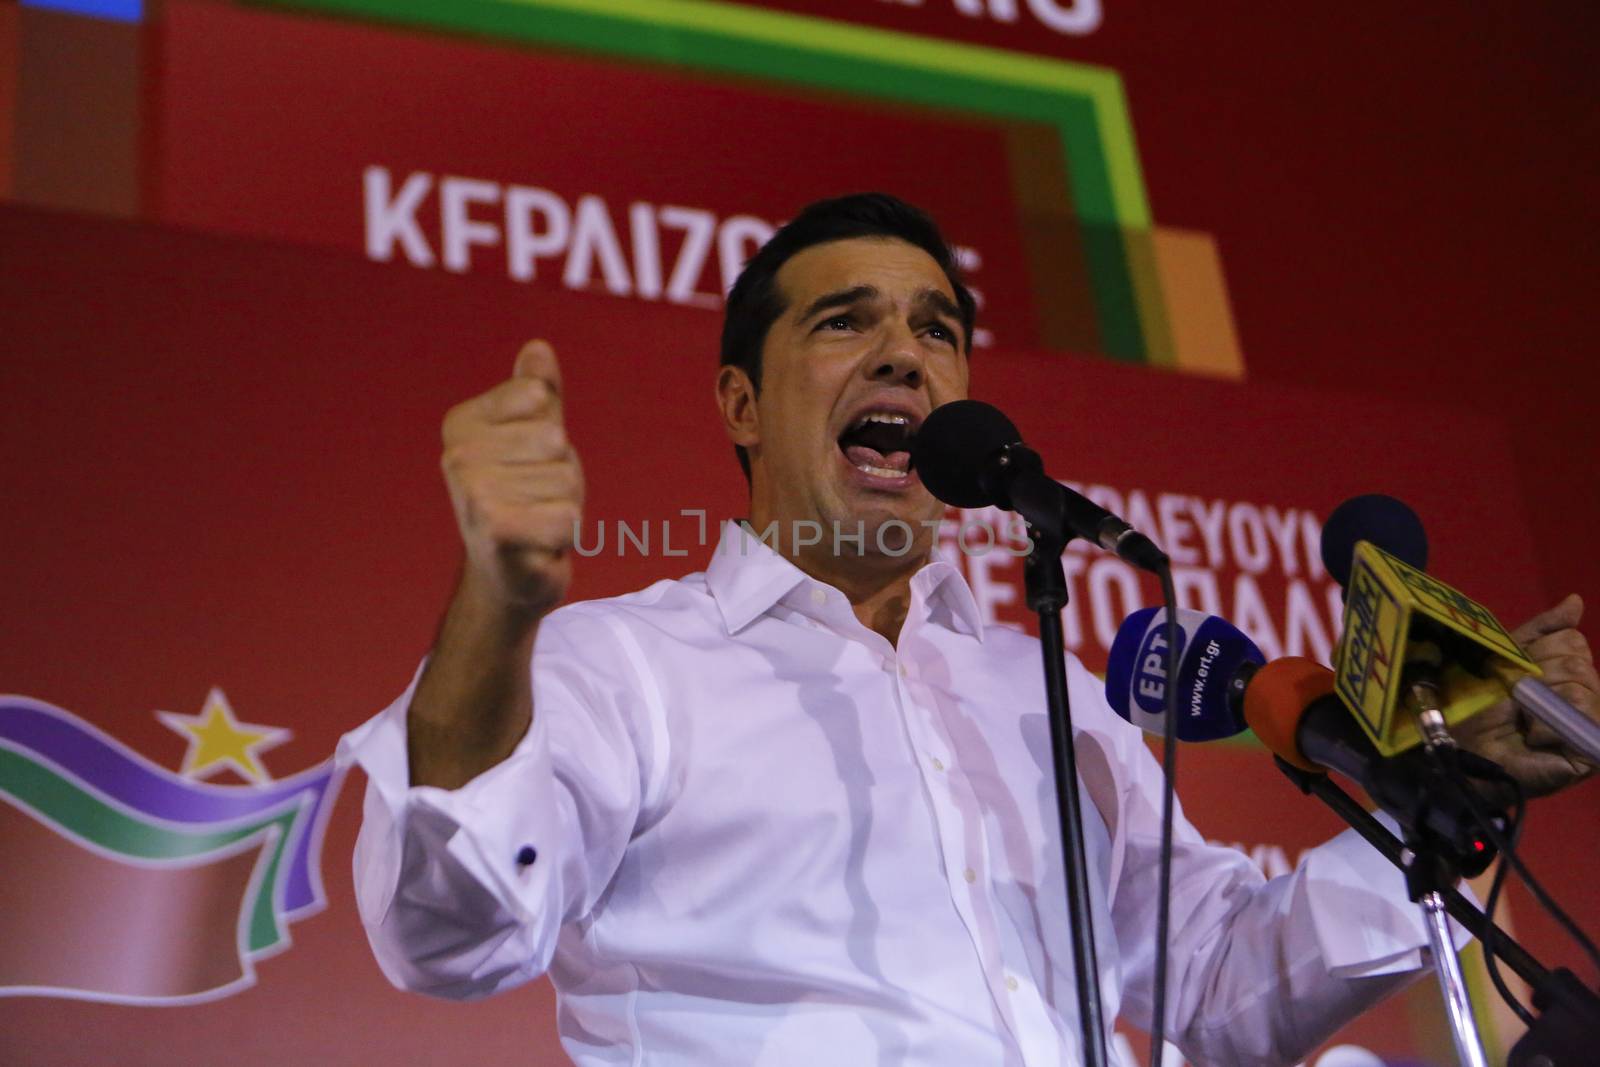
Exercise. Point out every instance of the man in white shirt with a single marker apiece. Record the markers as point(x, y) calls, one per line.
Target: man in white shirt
point(799, 808)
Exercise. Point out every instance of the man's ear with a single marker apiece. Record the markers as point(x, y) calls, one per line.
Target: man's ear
point(736, 398)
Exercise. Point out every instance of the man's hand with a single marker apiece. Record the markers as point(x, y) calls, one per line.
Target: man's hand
point(516, 486)
point(1529, 750)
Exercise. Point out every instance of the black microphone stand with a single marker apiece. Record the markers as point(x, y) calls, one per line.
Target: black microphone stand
point(1046, 584)
point(1569, 1018)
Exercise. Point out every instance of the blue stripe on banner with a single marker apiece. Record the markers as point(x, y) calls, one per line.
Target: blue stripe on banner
point(120, 10)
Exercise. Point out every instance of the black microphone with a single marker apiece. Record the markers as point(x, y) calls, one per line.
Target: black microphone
point(1385, 521)
point(970, 455)
point(1291, 707)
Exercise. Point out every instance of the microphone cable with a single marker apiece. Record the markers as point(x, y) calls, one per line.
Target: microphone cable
point(1506, 844)
point(1459, 779)
point(1169, 779)
point(1491, 933)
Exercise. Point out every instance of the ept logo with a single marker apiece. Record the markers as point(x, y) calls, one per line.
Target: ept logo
point(1150, 665)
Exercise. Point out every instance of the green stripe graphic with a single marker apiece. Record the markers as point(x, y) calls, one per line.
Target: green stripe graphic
point(1085, 105)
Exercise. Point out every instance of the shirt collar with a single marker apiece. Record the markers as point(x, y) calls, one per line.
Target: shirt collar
point(746, 578)
point(941, 584)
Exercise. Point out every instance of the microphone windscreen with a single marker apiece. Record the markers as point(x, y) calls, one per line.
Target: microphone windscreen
point(1383, 520)
point(954, 443)
point(1278, 696)
point(1210, 652)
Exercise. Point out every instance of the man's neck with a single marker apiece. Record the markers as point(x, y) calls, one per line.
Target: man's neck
point(878, 585)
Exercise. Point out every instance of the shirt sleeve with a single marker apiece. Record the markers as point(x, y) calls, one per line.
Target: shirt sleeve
point(1259, 971)
point(463, 892)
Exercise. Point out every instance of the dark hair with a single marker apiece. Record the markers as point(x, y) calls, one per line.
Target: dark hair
point(754, 303)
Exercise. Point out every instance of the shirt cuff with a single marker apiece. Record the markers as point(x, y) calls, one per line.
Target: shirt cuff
point(1365, 924)
point(499, 829)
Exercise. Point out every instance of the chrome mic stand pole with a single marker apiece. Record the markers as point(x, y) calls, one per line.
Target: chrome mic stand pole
point(1426, 876)
point(1570, 724)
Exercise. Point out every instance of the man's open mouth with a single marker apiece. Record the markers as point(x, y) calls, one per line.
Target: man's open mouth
point(879, 443)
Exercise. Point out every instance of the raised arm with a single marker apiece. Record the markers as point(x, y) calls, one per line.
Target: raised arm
point(485, 830)
point(517, 490)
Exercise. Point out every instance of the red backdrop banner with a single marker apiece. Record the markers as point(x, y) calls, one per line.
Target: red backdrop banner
point(250, 255)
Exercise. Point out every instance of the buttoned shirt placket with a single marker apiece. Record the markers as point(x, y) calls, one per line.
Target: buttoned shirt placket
point(964, 848)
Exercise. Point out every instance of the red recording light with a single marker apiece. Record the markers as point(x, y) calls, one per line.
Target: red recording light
point(1477, 846)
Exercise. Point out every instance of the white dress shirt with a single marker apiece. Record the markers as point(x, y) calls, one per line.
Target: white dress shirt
point(745, 829)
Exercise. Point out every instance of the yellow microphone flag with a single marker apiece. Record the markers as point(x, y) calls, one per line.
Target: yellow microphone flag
point(1392, 611)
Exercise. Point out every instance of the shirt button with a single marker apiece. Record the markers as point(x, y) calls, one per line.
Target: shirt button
point(938, 764)
point(526, 856)
point(1011, 983)
point(970, 875)
point(903, 671)
point(819, 595)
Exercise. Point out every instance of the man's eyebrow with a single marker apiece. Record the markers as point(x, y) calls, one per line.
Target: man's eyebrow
point(839, 298)
point(940, 303)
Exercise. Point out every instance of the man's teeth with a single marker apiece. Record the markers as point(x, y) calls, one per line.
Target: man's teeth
point(880, 472)
point(883, 416)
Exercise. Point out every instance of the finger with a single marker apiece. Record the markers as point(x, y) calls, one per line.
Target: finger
point(1496, 725)
point(518, 398)
point(539, 483)
point(1560, 643)
point(537, 360)
point(499, 449)
point(508, 445)
point(551, 527)
point(1542, 773)
point(1540, 736)
point(1564, 616)
point(515, 443)
point(1574, 680)
point(1576, 670)
point(511, 526)
point(1580, 695)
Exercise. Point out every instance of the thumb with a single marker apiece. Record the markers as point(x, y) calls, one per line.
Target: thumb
point(537, 360)
point(1564, 616)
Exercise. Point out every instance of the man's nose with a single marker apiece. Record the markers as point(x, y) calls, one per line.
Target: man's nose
point(898, 359)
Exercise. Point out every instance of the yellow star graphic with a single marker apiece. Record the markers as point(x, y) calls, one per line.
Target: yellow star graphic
point(217, 740)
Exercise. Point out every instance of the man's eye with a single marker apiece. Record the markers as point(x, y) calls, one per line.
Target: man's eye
point(940, 332)
point(838, 322)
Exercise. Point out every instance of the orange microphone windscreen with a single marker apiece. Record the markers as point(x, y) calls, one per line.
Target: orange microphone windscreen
point(1275, 699)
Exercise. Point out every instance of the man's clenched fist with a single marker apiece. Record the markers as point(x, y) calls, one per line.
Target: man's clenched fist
point(516, 485)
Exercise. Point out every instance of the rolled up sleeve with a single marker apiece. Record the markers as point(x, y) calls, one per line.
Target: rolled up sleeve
point(463, 892)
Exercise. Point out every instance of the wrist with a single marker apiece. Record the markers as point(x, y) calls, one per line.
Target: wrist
point(493, 617)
